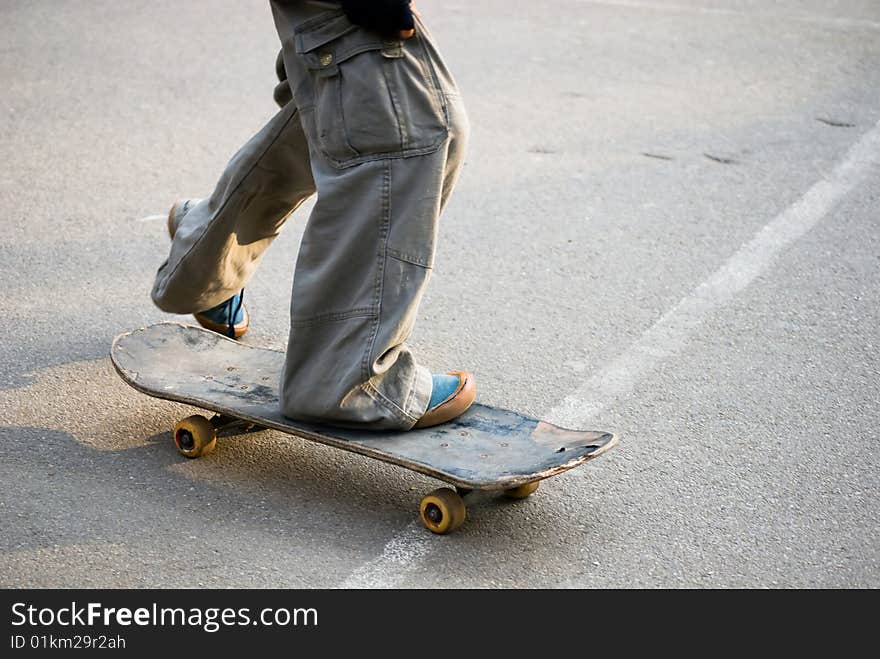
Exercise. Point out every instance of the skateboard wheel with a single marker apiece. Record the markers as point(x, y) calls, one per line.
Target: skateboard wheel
point(195, 436)
point(521, 492)
point(442, 511)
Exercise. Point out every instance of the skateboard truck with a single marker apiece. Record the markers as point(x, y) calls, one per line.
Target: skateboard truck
point(196, 435)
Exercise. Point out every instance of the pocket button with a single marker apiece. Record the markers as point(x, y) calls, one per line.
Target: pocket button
point(325, 59)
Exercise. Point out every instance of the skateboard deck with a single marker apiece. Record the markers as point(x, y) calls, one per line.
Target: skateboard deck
point(486, 448)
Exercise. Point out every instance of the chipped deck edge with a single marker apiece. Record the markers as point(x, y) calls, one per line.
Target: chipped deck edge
point(130, 377)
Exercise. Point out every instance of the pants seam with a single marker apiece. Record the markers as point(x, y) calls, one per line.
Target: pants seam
point(332, 316)
point(410, 393)
point(409, 258)
point(401, 133)
point(384, 233)
point(389, 404)
point(430, 75)
point(389, 155)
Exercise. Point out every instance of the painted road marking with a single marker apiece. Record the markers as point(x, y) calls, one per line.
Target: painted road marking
point(671, 332)
point(398, 557)
point(662, 340)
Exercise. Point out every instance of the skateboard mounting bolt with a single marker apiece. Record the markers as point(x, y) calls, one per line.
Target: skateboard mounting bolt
point(433, 513)
point(185, 440)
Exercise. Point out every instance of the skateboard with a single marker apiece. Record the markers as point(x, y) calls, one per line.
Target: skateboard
point(485, 449)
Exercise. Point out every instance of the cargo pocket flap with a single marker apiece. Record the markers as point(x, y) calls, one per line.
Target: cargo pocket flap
point(334, 40)
point(311, 36)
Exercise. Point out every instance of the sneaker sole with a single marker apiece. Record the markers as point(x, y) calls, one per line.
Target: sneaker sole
point(454, 406)
point(223, 328)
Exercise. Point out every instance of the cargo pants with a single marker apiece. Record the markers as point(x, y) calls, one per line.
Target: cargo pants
point(376, 127)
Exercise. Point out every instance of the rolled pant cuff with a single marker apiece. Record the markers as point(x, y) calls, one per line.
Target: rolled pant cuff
point(416, 403)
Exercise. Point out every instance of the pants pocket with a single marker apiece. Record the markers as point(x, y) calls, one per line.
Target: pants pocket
point(373, 98)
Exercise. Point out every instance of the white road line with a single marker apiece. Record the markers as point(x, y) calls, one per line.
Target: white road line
point(663, 340)
point(826, 21)
point(153, 218)
point(672, 330)
point(399, 556)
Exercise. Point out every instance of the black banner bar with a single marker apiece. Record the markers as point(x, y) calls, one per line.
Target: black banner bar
point(325, 621)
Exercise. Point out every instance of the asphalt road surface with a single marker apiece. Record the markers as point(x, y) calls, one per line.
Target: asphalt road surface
point(667, 227)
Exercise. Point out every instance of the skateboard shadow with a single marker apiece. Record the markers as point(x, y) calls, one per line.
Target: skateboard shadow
point(60, 491)
point(296, 469)
point(264, 510)
point(264, 503)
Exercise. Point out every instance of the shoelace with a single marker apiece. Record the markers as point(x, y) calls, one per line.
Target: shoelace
point(231, 316)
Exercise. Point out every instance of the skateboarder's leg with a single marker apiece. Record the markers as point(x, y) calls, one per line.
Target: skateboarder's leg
point(386, 133)
point(219, 240)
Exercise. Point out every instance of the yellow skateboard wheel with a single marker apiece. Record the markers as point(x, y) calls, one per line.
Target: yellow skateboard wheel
point(521, 492)
point(195, 436)
point(442, 511)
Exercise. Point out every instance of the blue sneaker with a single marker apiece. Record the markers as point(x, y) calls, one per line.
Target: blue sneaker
point(452, 395)
point(229, 318)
